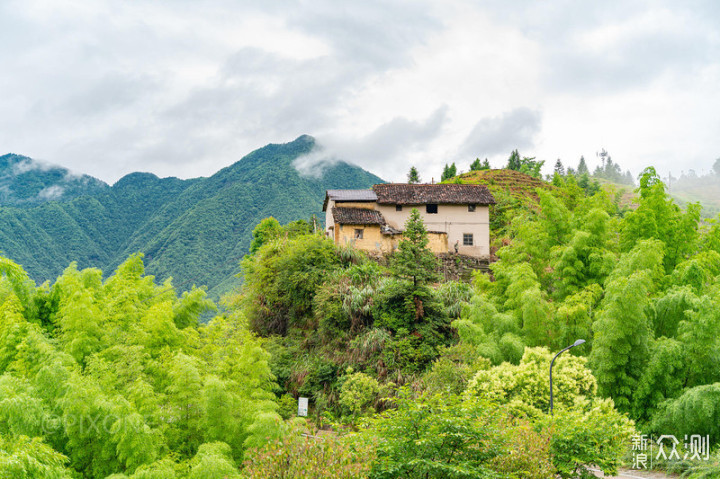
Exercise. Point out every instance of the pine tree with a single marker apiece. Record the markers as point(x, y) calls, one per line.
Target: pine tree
point(446, 173)
point(413, 176)
point(485, 165)
point(476, 165)
point(413, 259)
point(514, 161)
point(582, 168)
point(559, 168)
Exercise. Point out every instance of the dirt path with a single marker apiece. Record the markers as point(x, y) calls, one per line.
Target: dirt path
point(632, 474)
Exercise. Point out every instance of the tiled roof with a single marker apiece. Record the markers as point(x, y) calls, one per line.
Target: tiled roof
point(349, 195)
point(352, 195)
point(357, 216)
point(407, 194)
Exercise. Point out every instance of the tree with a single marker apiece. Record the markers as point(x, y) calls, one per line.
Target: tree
point(413, 177)
point(529, 166)
point(657, 216)
point(582, 168)
point(477, 165)
point(448, 172)
point(266, 230)
point(413, 259)
point(514, 161)
point(445, 173)
point(559, 168)
point(716, 167)
point(622, 333)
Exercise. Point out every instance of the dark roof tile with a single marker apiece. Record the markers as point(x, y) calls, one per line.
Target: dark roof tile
point(357, 216)
point(451, 193)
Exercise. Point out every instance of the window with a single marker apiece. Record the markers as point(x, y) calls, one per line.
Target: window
point(467, 239)
point(359, 233)
point(431, 209)
point(398, 207)
point(471, 208)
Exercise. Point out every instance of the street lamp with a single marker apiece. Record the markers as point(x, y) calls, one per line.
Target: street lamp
point(576, 343)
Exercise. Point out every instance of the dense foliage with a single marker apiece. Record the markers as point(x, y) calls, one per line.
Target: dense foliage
point(116, 377)
point(194, 231)
point(407, 375)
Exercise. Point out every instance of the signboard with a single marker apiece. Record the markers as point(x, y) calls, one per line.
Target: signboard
point(302, 406)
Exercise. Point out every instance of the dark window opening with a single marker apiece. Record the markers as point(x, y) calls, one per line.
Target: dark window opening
point(471, 208)
point(398, 207)
point(359, 233)
point(431, 209)
point(467, 239)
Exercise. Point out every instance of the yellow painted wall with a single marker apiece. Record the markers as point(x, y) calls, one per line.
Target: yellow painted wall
point(437, 242)
point(368, 205)
point(374, 241)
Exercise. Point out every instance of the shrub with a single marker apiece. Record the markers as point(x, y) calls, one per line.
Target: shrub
point(298, 456)
point(358, 392)
point(527, 385)
point(447, 436)
point(591, 433)
point(437, 436)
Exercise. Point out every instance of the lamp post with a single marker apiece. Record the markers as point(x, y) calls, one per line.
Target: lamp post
point(576, 343)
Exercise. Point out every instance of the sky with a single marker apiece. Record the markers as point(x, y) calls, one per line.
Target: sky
point(184, 88)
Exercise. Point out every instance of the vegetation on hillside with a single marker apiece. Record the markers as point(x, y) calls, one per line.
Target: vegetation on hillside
point(407, 376)
point(25, 182)
point(194, 231)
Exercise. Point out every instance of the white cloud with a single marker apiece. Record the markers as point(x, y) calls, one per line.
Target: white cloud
point(51, 192)
point(184, 88)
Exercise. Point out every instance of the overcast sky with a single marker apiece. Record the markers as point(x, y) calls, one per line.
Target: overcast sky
point(184, 88)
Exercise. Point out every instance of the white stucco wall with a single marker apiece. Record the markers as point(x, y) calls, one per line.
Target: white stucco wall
point(455, 220)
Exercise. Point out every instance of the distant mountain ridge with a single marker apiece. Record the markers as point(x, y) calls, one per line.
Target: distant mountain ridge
point(26, 182)
point(193, 230)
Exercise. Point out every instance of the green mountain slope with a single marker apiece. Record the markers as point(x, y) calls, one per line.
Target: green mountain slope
point(195, 231)
point(25, 182)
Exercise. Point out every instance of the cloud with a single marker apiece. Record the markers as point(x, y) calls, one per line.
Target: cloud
point(515, 129)
point(376, 33)
point(53, 192)
point(389, 147)
point(27, 164)
point(112, 87)
point(637, 51)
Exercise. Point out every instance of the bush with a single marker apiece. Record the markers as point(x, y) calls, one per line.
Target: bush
point(591, 433)
point(438, 436)
point(527, 385)
point(298, 456)
point(358, 392)
point(446, 436)
point(281, 279)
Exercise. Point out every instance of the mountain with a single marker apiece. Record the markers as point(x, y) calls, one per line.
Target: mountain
point(26, 182)
point(195, 231)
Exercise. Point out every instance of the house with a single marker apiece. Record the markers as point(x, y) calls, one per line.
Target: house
point(455, 216)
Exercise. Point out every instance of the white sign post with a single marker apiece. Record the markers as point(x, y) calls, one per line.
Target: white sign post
point(302, 406)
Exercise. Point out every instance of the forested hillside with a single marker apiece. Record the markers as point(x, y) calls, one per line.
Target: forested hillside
point(25, 182)
point(194, 230)
point(407, 376)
